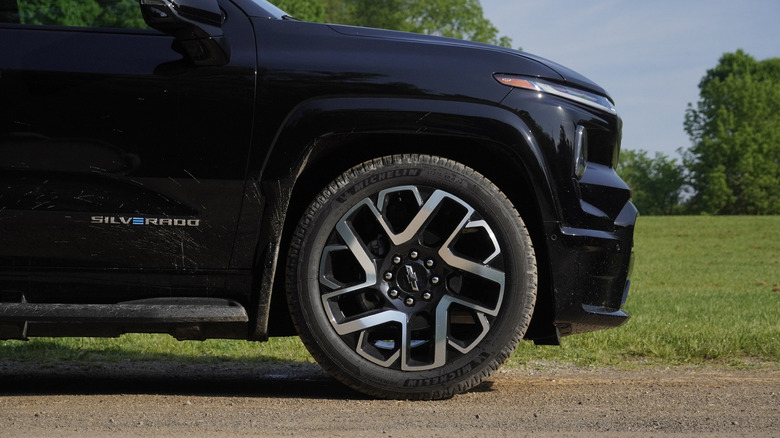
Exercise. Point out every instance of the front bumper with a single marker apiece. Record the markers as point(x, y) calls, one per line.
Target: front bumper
point(586, 246)
point(591, 273)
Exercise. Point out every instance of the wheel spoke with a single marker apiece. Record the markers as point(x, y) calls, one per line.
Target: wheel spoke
point(484, 327)
point(358, 250)
point(325, 278)
point(370, 321)
point(491, 236)
point(364, 347)
point(478, 269)
point(463, 264)
point(420, 220)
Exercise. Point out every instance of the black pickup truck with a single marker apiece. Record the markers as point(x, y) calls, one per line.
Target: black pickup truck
point(411, 206)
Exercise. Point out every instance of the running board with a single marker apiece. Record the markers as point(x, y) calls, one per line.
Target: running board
point(184, 318)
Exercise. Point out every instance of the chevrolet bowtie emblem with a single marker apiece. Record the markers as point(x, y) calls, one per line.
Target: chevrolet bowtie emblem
point(411, 276)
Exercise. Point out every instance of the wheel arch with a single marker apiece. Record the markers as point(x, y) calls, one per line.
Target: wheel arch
point(321, 139)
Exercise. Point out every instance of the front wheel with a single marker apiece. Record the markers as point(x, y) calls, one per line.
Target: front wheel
point(411, 277)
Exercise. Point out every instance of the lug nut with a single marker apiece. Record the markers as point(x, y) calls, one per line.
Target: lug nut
point(414, 254)
point(426, 295)
point(434, 280)
point(388, 276)
point(429, 263)
point(396, 260)
point(409, 301)
point(393, 293)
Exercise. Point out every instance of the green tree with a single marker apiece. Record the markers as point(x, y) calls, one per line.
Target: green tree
point(462, 19)
point(381, 14)
point(82, 13)
point(308, 10)
point(735, 130)
point(658, 184)
point(337, 11)
point(120, 13)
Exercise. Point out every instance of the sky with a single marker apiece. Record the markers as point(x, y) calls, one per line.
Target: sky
point(649, 55)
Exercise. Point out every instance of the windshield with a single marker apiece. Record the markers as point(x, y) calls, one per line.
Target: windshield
point(269, 8)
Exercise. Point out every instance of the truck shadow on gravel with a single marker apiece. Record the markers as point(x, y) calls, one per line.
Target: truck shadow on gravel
point(286, 379)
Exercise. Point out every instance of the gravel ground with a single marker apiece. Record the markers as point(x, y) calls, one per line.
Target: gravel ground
point(143, 399)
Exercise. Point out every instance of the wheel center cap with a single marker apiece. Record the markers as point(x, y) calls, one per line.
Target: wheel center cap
point(412, 277)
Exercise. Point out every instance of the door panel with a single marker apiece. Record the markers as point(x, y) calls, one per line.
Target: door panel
point(118, 153)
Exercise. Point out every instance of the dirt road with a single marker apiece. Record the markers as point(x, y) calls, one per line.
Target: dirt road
point(162, 399)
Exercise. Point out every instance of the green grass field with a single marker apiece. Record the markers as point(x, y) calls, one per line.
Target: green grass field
point(704, 290)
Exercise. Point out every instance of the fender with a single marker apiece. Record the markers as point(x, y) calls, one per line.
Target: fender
point(306, 137)
point(316, 119)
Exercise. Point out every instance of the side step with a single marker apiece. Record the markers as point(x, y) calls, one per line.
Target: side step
point(184, 318)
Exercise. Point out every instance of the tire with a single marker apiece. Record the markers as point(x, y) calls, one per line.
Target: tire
point(411, 277)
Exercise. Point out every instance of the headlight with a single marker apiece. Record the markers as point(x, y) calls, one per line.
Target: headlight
point(575, 94)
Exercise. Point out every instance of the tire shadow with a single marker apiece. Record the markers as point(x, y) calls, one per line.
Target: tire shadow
point(226, 379)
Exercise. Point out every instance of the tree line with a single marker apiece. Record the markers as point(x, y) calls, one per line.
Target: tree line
point(81, 13)
point(463, 19)
point(733, 164)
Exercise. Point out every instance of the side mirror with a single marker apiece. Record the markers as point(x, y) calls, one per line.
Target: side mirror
point(196, 25)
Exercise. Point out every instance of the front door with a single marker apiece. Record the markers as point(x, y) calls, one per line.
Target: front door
point(117, 153)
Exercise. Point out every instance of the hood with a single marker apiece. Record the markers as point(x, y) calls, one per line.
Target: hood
point(557, 72)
